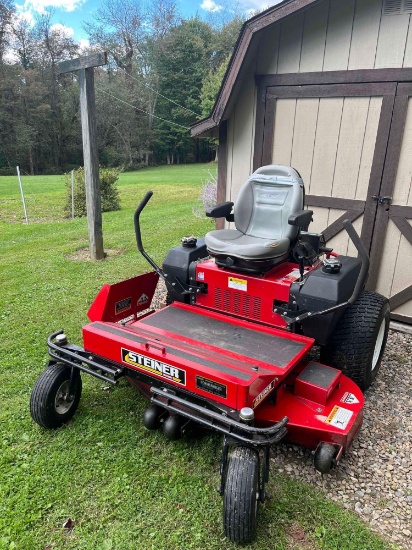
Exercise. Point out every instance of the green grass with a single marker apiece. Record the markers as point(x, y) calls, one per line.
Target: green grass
point(123, 486)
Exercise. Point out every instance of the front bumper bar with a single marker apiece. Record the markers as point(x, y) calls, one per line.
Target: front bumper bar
point(167, 397)
point(77, 357)
point(250, 435)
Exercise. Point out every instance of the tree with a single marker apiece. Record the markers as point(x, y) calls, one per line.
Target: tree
point(211, 86)
point(164, 73)
point(182, 67)
point(118, 30)
point(7, 10)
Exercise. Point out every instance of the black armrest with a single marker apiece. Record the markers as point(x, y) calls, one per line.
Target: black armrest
point(222, 210)
point(302, 219)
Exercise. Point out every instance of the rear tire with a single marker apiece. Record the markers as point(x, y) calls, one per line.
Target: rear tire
point(357, 345)
point(50, 404)
point(241, 496)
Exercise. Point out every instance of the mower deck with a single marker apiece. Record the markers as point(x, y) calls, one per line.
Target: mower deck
point(207, 353)
point(232, 363)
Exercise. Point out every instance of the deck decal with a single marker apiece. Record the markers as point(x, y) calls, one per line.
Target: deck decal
point(349, 398)
point(263, 394)
point(211, 386)
point(339, 417)
point(147, 364)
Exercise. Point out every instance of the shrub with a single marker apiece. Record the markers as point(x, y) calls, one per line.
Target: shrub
point(207, 197)
point(109, 193)
point(8, 171)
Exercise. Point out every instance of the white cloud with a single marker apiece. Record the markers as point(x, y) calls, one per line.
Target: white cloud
point(251, 6)
point(84, 44)
point(25, 16)
point(68, 31)
point(40, 6)
point(210, 5)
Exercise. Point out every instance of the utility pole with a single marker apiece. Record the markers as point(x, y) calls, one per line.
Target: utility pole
point(85, 68)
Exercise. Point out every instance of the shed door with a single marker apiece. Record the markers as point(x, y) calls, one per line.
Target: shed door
point(352, 145)
point(336, 136)
point(391, 257)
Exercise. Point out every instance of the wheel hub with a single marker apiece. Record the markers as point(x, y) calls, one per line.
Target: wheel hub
point(63, 400)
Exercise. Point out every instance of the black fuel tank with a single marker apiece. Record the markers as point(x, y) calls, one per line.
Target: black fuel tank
point(177, 264)
point(322, 291)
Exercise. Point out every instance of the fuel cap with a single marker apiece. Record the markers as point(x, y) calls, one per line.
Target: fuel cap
point(331, 265)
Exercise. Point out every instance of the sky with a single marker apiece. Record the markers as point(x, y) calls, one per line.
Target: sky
point(73, 13)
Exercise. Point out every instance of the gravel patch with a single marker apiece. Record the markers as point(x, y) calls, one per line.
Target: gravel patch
point(375, 479)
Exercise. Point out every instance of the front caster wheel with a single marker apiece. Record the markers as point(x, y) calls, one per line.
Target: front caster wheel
point(153, 417)
point(52, 404)
point(172, 428)
point(240, 500)
point(324, 458)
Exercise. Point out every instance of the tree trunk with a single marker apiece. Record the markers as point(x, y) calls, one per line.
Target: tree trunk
point(31, 161)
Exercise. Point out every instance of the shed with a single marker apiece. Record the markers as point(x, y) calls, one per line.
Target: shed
point(326, 87)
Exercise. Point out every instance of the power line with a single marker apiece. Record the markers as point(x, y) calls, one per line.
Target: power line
point(138, 109)
point(158, 93)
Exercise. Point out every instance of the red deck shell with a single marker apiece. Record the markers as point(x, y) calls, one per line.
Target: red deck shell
point(307, 418)
point(162, 345)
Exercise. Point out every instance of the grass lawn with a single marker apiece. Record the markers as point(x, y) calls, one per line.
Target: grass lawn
point(123, 486)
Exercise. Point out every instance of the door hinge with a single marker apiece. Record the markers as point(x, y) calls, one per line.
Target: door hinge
point(382, 200)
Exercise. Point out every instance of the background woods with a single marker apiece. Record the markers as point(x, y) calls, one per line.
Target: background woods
point(164, 73)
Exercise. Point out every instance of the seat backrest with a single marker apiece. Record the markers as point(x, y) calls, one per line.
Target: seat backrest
point(266, 201)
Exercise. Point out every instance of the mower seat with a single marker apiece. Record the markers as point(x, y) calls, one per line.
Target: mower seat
point(263, 234)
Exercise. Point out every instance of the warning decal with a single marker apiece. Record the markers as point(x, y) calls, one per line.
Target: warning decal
point(349, 398)
point(339, 417)
point(237, 284)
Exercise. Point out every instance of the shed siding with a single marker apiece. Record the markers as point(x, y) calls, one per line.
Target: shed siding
point(331, 141)
point(314, 39)
point(332, 35)
point(365, 34)
point(337, 35)
point(241, 132)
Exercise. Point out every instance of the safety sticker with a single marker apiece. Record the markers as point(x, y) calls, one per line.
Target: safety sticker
point(123, 305)
point(237, 284)
point(349, 398)
point(142, 300)
point(339, 417)
point(201, 276)
point(294, 274)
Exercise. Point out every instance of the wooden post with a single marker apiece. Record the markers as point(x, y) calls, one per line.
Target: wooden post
point(85, 67)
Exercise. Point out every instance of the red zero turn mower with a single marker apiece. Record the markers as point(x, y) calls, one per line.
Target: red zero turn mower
point(230, 351)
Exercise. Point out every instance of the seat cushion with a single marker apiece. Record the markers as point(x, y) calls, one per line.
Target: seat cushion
point(235, 243)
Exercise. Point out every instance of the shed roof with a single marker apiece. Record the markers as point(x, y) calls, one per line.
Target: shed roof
point(249, 30)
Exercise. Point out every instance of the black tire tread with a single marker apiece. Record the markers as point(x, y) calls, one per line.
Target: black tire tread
point(354, 334)
point(40, 407)
point(239, 508)
point(323, 459)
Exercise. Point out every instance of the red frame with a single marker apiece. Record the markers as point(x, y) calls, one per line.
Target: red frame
point(251, 300)
point(314, 411)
